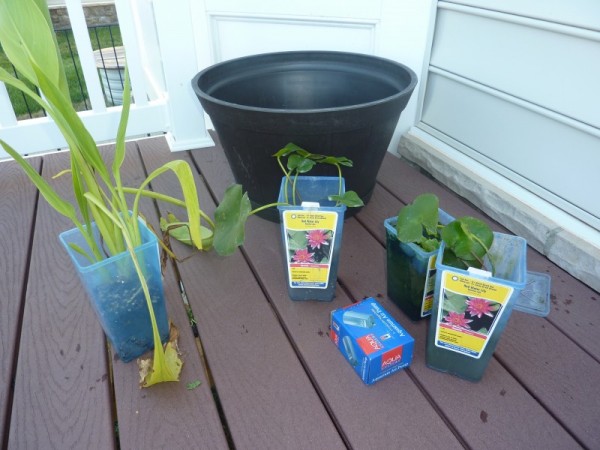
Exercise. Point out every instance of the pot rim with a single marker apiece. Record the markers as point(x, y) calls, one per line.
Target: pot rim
point(313, 54)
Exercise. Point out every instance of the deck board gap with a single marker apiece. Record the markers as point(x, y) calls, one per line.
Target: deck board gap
point(15, 357)
point(437, 409)
point(304, 364)
point(193, 325)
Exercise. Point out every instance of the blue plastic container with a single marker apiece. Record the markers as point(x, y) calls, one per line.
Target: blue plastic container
point(410, 271)
point(312, 235)
point(471, 309)
point(116, 293)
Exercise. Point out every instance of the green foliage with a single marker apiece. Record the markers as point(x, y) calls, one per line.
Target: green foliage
point(100, 38)
point(230, 220)
point(27, 37)
point(467, 239)
point(193, 385)
point(300, 161)
point(418, 222)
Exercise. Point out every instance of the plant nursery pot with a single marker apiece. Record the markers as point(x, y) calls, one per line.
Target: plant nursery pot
point(116, 293)
point(332, 103)
point(471, 309)
point(312, 236)
point(410, 272)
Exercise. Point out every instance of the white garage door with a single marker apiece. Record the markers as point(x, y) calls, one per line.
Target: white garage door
point(516, 85)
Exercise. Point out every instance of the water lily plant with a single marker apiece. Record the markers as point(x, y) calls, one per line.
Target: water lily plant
point(300, 161)
point(29, 42)
point(467, 239)
point(235, 208)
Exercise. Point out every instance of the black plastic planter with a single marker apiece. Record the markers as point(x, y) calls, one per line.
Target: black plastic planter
point(333, 103)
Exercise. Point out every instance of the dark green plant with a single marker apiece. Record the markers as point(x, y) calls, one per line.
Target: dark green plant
point(467, 239)
point(300, 161)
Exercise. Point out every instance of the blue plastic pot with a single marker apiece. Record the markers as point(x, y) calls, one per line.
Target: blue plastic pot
point(116, 293)
point(410, 272)
point(461, 340)
point(312, 236)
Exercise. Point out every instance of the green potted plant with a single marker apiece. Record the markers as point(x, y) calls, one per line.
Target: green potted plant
point(412, 242)
point(312, 217)
point(472, 306)
point(110, 237)
point(413, 239)
point(478, 279)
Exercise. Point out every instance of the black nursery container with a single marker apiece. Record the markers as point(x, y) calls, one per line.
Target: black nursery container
point(333, 103)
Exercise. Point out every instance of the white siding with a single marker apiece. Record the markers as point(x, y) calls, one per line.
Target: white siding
point(521, 95)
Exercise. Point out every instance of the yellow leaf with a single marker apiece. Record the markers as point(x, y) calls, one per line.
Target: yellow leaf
point(166, 364)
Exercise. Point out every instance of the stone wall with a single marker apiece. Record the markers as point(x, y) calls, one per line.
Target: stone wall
point(103, 14)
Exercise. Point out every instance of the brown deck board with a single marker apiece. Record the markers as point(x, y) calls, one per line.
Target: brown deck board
point(265, 404)
point(184, 415)
point(17, 208)
point(61, 397)
point(278, 380)
point(308, 323)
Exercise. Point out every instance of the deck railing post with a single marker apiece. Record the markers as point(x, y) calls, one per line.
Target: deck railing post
point(174, 25)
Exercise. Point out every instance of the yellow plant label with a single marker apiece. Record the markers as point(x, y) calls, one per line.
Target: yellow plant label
point(469, 309)
point(309, 240)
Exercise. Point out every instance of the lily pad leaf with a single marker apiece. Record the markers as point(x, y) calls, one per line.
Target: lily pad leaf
point(349, 198)
point(454, 303)
point(419, 220)
point(300, 164)
point(230, 220)
point(469, 238)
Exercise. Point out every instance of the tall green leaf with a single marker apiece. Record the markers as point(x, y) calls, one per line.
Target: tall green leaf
point(27, 40)
point(190, 195)
point(56, 201)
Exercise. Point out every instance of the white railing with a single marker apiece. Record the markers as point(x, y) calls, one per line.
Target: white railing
point(160, 78)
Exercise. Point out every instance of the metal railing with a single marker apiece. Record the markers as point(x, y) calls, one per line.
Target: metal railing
point(108, 51)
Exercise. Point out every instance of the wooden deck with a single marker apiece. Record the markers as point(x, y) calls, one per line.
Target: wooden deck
point(277, 380)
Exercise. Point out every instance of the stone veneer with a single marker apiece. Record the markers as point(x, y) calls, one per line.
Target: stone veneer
point(578, 257)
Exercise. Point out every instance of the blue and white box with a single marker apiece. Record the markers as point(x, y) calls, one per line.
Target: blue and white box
point(371, 340)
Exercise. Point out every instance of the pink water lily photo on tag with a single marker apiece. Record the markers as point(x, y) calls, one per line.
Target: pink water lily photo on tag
point(472, 314)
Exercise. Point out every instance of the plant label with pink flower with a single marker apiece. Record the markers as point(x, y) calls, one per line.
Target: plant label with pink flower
point(309, 241)
point(469, 309)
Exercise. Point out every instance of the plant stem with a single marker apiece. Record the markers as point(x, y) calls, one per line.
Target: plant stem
point(270, 205)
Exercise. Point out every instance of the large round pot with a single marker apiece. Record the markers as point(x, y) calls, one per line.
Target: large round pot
point(332, 103)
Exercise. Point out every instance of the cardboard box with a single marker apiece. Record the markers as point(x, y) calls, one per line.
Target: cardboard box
point(370, 339)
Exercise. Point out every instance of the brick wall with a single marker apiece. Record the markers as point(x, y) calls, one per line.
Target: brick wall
point(102, 14)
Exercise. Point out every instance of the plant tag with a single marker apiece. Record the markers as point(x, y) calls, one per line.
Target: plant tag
point(309, 240)
point(429, 289)
point(310, 205)
point(479, 272)
point(469, 310)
